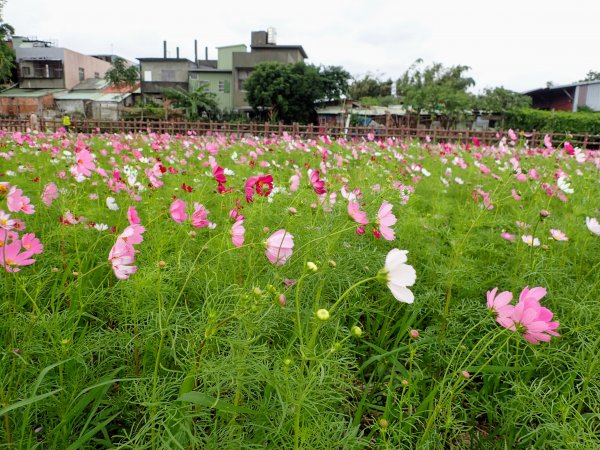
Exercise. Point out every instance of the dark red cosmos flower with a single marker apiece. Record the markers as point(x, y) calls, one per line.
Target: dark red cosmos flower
point(186, 188)
point(264, 185)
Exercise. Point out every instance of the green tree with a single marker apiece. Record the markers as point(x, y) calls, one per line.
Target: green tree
point(289, 91)
point(369, 86)
point(120, 74)
point(436, 89)
point(592, 76)
point(7, 54)
point(500, 100)
point(194, 103)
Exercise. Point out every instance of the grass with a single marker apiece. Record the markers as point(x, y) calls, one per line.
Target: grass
point(211, 346)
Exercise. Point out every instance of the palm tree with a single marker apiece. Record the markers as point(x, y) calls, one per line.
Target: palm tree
point(195, 103)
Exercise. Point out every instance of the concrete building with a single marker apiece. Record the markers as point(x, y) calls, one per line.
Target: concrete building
point(158, 74)
point(41, 65)
point(235, 64)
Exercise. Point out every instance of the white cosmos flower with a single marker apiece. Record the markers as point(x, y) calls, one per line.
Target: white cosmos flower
point(399, 275)
point(112, 204)
point(101, 227)
point(593, 225)
point(530, 240)
point(564, 186)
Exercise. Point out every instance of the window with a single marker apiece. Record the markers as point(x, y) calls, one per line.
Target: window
point(26, 71)
point(147, 75)
point(221, 85)
point(205, 84)
point(96, 75)
point(168, 75)
point(81, 74)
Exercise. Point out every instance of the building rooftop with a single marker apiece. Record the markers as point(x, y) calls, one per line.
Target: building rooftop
point(31, 93)
point(280, 47)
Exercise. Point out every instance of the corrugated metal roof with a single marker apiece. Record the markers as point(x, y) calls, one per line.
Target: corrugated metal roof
point(397, 110)
point(31, 93)
point(91, 84)
point(77, 95)
point(93, 96)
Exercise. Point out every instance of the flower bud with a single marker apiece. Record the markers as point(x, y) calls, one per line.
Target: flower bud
point(466, 375)
point(257, 291)
point(544, 213)
point(323, 314)
point(311, 266)
point(360, 231)
point(282, 299)
point(332, 263)
point(162, 264)
point(414, 334)
point(292, 211)
point(356, 331)
point(383, 423)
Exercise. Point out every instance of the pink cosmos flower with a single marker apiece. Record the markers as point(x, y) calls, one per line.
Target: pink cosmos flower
point(16, 201)
point(199, 216)
point(558, 235)
point(294, 183)
point(507, 236)
point(122, 268)
point(593, 225)
point(500, 306)
point(358, 215)
point(317, 184)
point(12, 259)
point(515, 195)
point(279, 247)
point(530, 240)
point(133, 234)
point(50, 194)
point(85, 163)
point(533, 321)
point(132, 216)
point(249, 188)
point(177, 211)
point(386, 219)
point(32, 244)
point(548, 141)
point(237, 233)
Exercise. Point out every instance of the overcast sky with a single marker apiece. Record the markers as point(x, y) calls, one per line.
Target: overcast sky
point(518, 44)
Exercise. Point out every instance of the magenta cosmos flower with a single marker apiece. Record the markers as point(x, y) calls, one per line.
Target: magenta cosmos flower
point(177, 211)
point(317, 184)
point(32, 244)
point(279, 247)
point(386, 219)
point(132, 216)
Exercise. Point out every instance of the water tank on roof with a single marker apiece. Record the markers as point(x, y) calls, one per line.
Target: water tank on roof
point(271, 36)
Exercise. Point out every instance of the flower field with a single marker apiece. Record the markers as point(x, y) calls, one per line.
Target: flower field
point(211, 291)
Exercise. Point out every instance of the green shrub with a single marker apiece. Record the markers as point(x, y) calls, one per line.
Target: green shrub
point(554, 121)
